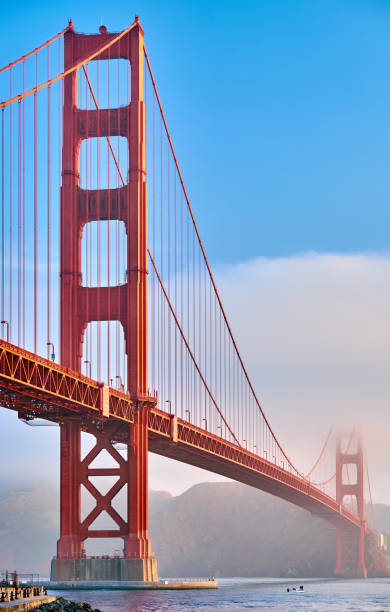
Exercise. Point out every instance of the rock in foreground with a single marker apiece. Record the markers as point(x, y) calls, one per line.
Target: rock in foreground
point(65, 605)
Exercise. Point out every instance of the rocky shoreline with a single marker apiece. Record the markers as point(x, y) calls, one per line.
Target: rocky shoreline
point(64, 605)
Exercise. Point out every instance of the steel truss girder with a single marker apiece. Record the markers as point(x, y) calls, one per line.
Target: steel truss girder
point(28, 386)
point(40, 388)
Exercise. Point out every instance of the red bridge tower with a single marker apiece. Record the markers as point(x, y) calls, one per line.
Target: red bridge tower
point(126, 303)
point(350, 544)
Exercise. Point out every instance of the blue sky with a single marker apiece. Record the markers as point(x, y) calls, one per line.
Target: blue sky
point(278, 110)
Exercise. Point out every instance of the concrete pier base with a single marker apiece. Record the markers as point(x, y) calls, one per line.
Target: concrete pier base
point(109, 569)
point(351, 573)
point(174, 585)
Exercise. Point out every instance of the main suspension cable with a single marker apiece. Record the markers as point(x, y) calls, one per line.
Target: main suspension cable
point(339, 465)
point(209, 269)
point(65, 73)
point(188, 347)
point(321, 453)
point(37, 49)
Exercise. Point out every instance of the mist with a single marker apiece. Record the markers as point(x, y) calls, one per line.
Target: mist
point(314, 332)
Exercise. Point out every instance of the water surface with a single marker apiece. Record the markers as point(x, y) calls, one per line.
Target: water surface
point(250, 594)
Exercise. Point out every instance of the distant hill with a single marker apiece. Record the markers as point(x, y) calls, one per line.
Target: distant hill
point(229, 529)
point(382, 517)
point(222, 529)
point(28, 529)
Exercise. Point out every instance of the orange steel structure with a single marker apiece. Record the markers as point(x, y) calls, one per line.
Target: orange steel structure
point(194, 359)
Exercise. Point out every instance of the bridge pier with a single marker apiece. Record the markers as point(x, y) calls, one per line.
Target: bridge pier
point(137, 562)
point(350, 554)
point(99, 569)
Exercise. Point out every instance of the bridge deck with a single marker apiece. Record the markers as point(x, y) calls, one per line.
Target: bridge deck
point(36, 387)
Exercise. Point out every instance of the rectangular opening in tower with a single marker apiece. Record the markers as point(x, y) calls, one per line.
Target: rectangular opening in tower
point(104, 254)
point(104, 162)
point(110, 81)
point(349, 474)
point(104, 353)
point(350, 502)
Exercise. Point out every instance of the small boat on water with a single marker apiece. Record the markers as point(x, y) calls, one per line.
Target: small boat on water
point(296, 589)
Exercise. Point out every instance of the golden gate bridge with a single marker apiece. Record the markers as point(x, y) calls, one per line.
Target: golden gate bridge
point(101, 259)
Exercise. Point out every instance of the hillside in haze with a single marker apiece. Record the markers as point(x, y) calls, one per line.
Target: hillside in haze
point(229, 529)
point(28, 529)
point(221, 529)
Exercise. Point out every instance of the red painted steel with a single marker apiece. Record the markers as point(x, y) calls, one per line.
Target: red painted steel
point(97, 51)
point(104, 436)
point(126, 303)
point(37, 386)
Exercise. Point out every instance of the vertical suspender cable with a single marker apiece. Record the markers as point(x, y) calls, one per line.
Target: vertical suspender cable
point(161, 386)
point(154, 248)
point(220, 355)
point(87, 240)
point(214, 388)
point(24, 214)
point(175, 279)
point(118, 234)
point(240, 403)
point(169, 277)
point(194, 321)
point(91, 356)
point(205, 345)
point(48, 201)
point(108, 229)
point(35, 205)
point(19, 218)
point(2, 219)
point(225, 386)
point(125, 247)
point(60, 90)
point(158, 312)
point(200, 306)
point(10, 210)
point(98, 341)
point(181, 300)
point(188, 309)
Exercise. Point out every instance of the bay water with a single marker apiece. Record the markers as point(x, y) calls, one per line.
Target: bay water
point(249, 594)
